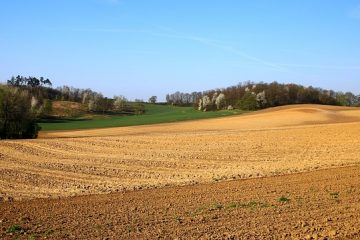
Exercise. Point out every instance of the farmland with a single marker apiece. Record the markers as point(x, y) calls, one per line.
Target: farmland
point(323, 204)
point(293, 170)
point(77, 118)
point(271, 142)
point(209, 120)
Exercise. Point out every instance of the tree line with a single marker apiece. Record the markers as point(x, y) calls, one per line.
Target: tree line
point(183, 99)
point(252, 96)
point(25, 100)
point(96, 102)
point(41, 90)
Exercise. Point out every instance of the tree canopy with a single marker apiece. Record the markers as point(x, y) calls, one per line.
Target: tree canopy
point(264, 95)
point(29, 81)
point(17, 119)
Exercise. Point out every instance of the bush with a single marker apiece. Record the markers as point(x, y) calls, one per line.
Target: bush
point(16, 118)
point(248, 102)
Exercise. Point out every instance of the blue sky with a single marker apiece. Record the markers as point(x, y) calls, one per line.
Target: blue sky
point(140, 48)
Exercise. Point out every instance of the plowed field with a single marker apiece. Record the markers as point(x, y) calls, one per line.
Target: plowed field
point(323, 204)
point(294, 174)
point(271, 142)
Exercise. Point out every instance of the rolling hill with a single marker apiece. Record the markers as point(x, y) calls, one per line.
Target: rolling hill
point(294, 168)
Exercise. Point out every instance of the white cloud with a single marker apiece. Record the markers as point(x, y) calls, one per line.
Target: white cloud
point(170, 33)
point(216, 44)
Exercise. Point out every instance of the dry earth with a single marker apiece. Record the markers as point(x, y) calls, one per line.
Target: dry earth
point(323, 204)
point(274, 118)
point(67, 109)
point(271, 142)
point(312, 151)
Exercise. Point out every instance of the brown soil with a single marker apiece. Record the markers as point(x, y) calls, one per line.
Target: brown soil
point(67, 109)
point(257, 148)
point(323, 204)
point(274, 118)
point(251, 146)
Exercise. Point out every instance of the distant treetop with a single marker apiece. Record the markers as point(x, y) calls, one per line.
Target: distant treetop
point(251, 96)
point(29, 81)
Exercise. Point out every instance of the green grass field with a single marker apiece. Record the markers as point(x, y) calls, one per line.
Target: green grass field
point(154, 114)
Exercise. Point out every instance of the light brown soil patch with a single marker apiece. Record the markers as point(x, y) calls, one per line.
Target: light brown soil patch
point(279, 117)
point(67, 109)
point(257, 148)
point(321, 205)
point(264, 144)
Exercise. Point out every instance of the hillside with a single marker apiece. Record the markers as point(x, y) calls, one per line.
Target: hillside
point(294, 168)
point(67, 109)
point(74, 117)
point(271, 142)
point(278, 117)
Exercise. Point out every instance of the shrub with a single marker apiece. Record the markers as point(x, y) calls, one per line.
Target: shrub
point(248, 102)
point(16, 117)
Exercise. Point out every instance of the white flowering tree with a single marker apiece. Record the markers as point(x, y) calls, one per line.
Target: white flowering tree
point(220, 101)
point(119, 103)
point(92, 105)
point(204, 103)
point(34, 103)
point(200, 106)
point(261, 99)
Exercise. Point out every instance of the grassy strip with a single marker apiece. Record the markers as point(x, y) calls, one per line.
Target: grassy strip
point(154, 114)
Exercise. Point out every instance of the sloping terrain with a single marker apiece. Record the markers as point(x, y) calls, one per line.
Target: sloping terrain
point(272, 142)
point(294, 174)
point(154, 114)
point(67, 109)
point(317, 205)
point(280, 117)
